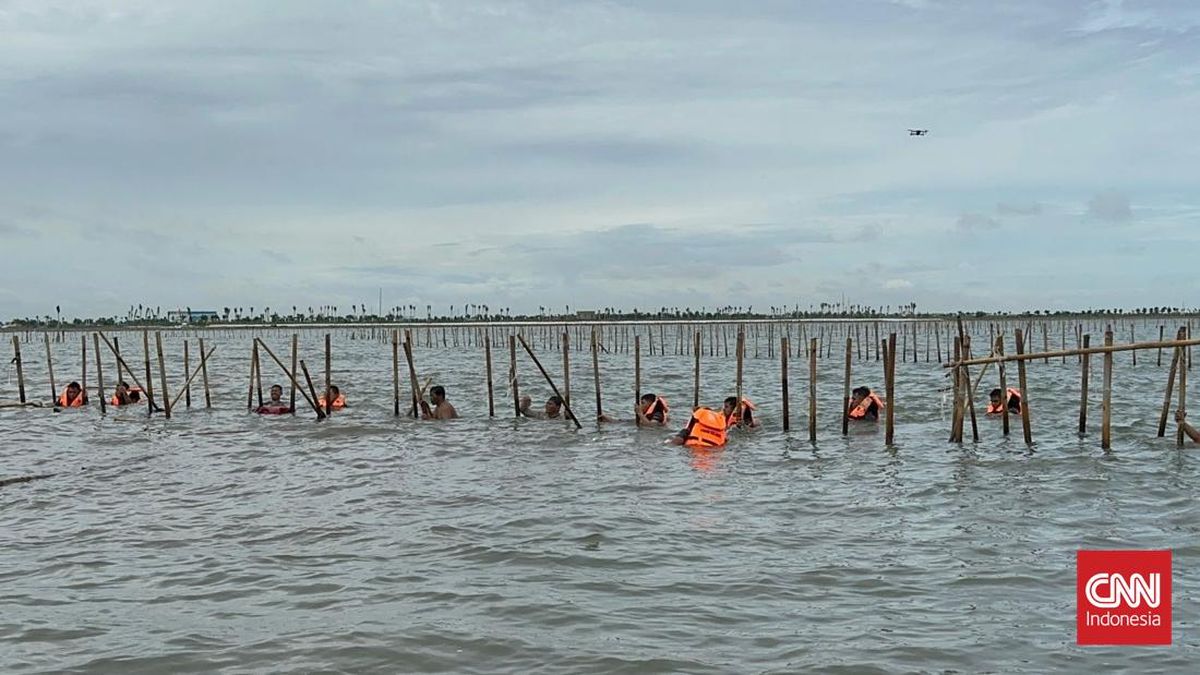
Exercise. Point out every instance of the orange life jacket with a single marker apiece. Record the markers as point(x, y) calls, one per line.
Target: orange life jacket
point(735, 417)
point(659, 405)
point(707, 429)
point(859, 411)
point(338, 403)
point(998, 409)
point(77, 402)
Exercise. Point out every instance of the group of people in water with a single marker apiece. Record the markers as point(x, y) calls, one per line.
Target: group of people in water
point(706, 428)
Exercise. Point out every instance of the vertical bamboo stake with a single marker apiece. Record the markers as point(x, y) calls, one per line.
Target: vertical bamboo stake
point(250, 388)
point(1133, 340)
point(187, 371)
point(329, 377)
point(50, 368)
point(258, 374)
point(1084, 375)
point(999, 349)
point(1183, 368)
point(1161, 330)
point(846, 390)
point(1024, 389)
point(1106, 410)
point(937, 336)
point(956, 418)
point(83, 359)
point(637, 376)
point(162, 373)
point(1063, 342)
point(1166, 407)
point(596, 370)
point(783, 365)
point(566, 350)
point(293, 383)
point(967, 387)
point(741, 349)
point(696, 372)
point(812, 391)
point(396, 373)
point(890, 384)
point(149, 376)
point(412, 375)
point(204, 374)
point(512, 373)
point(487, 357)
point(99, 375)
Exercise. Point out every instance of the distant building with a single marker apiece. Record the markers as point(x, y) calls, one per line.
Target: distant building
point(586, 315)
point(192, 316)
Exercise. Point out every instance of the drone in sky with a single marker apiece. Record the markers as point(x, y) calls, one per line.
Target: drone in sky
point(918, 132)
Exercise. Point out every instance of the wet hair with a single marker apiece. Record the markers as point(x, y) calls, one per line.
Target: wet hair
point(995, 393)
point(555, 400)
point(731, 400)
point(649, 398)
point(75, 385)
point(122, 383)
point(862, 391)
point(334, 390)
point(135, 394)
point(277, 386)
point(437, 390)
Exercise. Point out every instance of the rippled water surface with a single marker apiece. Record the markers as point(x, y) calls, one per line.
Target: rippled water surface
point(218, 540)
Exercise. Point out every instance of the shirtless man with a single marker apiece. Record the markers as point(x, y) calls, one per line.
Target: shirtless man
point(275, 406)
point(553, 409)
point(441, 409)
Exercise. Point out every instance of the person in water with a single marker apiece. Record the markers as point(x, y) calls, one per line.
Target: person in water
point(552, 411)
point(651, 410)
point(996, 406)
point(275, 406)
point(705, 430)
point(72, 397)
point(865, 405)
point(339, 399)
point(1188, 430)
point(125, 395)
point(739, 416)
point(441, 409)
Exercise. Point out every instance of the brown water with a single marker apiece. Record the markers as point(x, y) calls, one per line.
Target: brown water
point(219, 540)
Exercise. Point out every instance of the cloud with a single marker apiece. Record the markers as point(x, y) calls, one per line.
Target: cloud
point(1022, 209)
point(1110, 207)
point(897, 284)
point(976, 222)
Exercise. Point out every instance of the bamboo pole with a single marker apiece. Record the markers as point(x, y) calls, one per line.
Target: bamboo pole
point(1084, 375)
point(1166, 407)
point(637, 377)
point(956, 418)
point(999, 349)
point(187, 386)
point(696, 374)
point(412, 378)
point(596, 371)
point(99, 375)
point(512, 374)
point(566, 351)
point(812, 391)
point(329, 375)
point(1132, 340)
point(204, 376)
point(1025, 426)
point(846, 389)
point(741, 353)
point(1183, 369)
point(1075, 352)
point(890, 379)
point(83, 379)
point(294, 384)
point(50, 368)
point(487, 355)
point(149, 377)
point(253, 370)
point(783, 366)
point(549, 381)
point(20, 371)
point(162, 373)
point(1106, 410)
point(1158, 362)
point(312, 398)
point(191, 375)
point(966, 340)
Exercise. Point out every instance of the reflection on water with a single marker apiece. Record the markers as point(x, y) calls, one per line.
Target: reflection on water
point(221, 540)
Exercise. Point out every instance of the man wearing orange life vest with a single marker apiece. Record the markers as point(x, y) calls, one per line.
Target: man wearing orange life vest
point(441, 409)
point(996, 406)
point(865, 405)
point(705, 431)
point(339, 399)
point(651, 410)
point(739, 416)
point(1189, 430)
point(72, 397)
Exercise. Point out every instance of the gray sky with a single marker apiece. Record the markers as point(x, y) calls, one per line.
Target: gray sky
point(619, 153)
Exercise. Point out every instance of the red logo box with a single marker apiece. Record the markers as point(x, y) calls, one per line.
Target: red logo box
point(1123, 597)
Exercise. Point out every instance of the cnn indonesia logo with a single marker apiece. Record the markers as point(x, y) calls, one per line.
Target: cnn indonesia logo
point(1123, 597)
